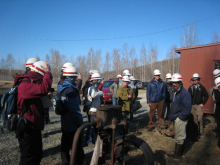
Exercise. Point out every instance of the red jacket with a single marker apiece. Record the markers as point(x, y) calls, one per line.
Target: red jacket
point(31, 94)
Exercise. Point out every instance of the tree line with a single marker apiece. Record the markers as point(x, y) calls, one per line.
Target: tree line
point(141, 65)
point(109, 65)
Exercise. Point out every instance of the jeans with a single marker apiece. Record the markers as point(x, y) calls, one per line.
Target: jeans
point(90, 133)
point(114, 101)
point(166, 107)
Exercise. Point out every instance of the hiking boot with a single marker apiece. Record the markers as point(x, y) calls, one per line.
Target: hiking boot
point(178, 151)
point(172, 155)
point(176, 155)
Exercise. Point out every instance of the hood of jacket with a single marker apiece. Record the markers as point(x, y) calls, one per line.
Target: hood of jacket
point(19, 79)
point(66, 84)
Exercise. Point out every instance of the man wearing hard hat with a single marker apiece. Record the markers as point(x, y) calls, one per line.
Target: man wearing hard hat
point(168, 99)
point(156, 92)
point(217, 110)
point(216, 74)
point(179, 113)
point(199, 97)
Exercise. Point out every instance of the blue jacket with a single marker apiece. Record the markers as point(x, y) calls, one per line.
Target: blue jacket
point(154, 92)
point(181, 105)
point(69, 95)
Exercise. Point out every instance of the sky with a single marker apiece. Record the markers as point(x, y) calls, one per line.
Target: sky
point(30, 28)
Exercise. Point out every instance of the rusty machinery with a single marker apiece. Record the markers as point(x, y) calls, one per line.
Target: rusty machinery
point(111, 150)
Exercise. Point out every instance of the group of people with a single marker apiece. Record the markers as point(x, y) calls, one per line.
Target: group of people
point(174, 103)
point(36, 84)
point(33, 92)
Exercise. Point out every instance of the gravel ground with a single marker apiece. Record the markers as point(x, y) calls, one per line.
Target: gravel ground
point(203, 152)
point(9, 149)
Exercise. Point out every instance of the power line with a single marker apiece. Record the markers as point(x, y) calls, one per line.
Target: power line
point(115, 38)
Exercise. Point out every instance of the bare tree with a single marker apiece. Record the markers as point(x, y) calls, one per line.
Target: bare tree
point(215, 37)
point(90, 59)
point(133, 59)
point(2, 65)
point(152, 56)
point(171, 54)
point(63, 60)
point(97, 60)
point(47, 58)
point(56, 64)
point(143, 62)
point(38, 58)
point(75, 63)
point(80, 64)
point(125, 56)
point(190, 35)
point(116, 61)
point(10, 61)
point(107, 64)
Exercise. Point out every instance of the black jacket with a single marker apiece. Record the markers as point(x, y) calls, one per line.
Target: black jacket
point(168, 92)
point(199, 95)
point(217, 98)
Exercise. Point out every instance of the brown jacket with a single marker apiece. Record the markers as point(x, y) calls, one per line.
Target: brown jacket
point(123, 99)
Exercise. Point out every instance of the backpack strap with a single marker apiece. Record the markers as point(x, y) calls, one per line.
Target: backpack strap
point(90, 96)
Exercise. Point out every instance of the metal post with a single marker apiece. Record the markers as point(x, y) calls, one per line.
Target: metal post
point(113, 141)
point(76, 139)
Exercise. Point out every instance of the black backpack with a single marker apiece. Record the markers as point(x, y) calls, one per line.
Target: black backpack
point(59, 105)
point(8, 114)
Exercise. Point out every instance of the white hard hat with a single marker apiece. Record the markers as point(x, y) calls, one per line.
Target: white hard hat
point(91, 72)
point(30, 62)
point(217, 81)
point(125, 78)
point(95, 76)
point(157, 72)
point(70, 71)
point(119, 76)
point(168, 75)
point(132, 78)
point(176, 77)
point(67, 65)
point(216, 73)
point(195, 76)
point(126, 73)
point(37, 67)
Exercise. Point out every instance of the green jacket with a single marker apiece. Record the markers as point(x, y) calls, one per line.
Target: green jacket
point(123, 99)
point(114, 88)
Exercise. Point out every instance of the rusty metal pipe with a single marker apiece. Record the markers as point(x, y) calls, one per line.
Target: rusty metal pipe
point(76, 139)
point(123, 144)
point(113, 141)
